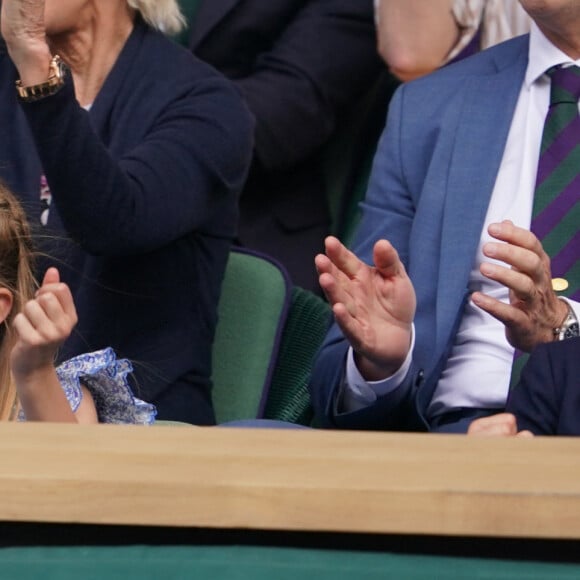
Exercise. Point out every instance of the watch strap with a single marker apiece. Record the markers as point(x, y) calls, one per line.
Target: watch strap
point(51, 86)
point(569, 327)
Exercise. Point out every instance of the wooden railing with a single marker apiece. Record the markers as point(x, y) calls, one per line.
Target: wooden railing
point(306, 480)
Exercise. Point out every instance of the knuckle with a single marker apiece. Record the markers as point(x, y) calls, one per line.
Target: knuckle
point(46, 299)
point(34, 341)
point(536, 262)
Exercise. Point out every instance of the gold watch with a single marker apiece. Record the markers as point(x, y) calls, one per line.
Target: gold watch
point(56, 77)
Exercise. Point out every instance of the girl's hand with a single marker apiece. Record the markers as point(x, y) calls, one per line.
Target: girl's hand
point(42, 327)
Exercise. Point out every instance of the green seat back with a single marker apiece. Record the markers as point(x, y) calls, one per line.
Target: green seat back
point(252, 311)
point(306, 326)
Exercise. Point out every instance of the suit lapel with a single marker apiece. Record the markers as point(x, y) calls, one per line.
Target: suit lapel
point(209, 14)
point(484, 124)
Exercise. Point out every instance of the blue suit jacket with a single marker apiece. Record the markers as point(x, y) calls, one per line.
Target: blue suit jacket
point(432, 179)
point(547, 399)
point(144, 208)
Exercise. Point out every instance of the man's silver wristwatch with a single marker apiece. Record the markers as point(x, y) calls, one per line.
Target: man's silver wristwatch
point(569, 327)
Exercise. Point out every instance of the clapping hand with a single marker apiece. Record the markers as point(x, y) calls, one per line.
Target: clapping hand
point(534, 309)
point(374, 306)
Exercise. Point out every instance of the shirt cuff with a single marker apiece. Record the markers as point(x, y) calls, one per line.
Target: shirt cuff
point(356, 393)
point(575, 306)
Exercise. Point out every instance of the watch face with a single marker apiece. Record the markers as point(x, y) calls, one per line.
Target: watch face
point(572, 331)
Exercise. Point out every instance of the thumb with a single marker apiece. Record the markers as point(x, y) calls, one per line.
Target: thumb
point(51, 277)
point(387, 259)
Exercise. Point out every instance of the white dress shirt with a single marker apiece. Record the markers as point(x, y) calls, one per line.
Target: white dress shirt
point(478, 368)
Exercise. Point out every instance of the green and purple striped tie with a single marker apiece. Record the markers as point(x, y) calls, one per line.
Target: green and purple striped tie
point(556, 211)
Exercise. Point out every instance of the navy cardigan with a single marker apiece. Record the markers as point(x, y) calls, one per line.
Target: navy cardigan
point(144, 207)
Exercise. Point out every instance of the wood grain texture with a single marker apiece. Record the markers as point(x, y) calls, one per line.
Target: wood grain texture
point(290, 480)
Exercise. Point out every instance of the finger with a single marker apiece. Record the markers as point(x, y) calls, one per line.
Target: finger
point(64, 296)
point(44, 330)
point(524, 286)
point(340, 271)
point(60, 310)
point(342, 257)
point(25, 330)
point(333, 282)
point(387, 259)
point(48, 318)
point(338, 297)
point(508, 314)
point(525, 434)
point(502, 424)
point(51, 276)
point(506, 231)
point(349, 325)
point(50, 282)
point(52, 307)
point(324, 265)
point(521, 259)
point(328, 284)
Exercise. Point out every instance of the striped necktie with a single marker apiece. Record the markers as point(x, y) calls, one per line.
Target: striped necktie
point(556, 211)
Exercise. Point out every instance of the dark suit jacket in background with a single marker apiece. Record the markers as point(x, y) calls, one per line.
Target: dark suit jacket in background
point(547, 399)
point(300, 64)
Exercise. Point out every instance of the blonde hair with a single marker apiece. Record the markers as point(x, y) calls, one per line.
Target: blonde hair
point(16, 274)
point(163, 15)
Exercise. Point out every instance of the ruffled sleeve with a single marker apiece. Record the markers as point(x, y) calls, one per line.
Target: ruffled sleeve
point(105, 377)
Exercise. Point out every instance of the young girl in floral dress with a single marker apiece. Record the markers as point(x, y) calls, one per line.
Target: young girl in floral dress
point(33, 324)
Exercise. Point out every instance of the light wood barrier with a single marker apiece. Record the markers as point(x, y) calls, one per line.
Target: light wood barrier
point(290, 480)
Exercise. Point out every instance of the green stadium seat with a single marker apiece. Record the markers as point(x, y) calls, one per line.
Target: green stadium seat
point(254, 304)
point(306, 326)
point(267, 336)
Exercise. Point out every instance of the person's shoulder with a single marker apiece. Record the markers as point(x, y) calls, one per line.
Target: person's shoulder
point(486, 62)
point(444, 88)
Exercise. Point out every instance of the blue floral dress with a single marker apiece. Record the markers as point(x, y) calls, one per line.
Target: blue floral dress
point(105, 377)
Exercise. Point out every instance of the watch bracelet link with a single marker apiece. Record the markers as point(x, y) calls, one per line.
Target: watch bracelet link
point(51, 86)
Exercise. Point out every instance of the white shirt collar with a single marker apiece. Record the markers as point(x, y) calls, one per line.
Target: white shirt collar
point(542, 56)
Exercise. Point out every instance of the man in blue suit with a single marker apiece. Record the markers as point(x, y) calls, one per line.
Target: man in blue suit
point(424, 338)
